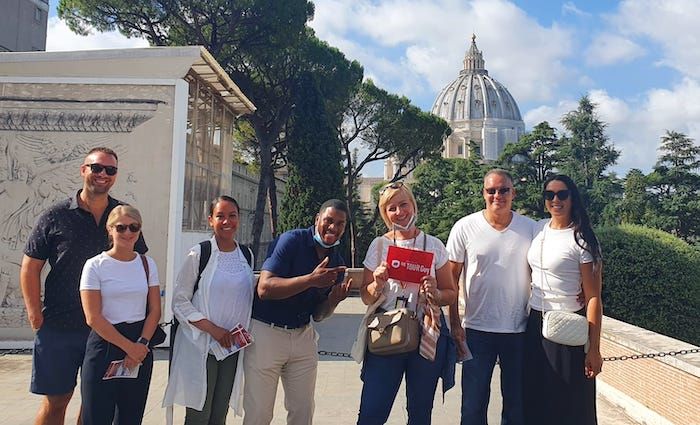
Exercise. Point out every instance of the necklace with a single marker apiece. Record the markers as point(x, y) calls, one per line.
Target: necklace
point(551, 222)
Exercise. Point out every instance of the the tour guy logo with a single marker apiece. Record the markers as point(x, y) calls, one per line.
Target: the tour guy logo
point(408, 265)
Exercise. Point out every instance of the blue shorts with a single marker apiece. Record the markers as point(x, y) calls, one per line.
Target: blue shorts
point(58, 354)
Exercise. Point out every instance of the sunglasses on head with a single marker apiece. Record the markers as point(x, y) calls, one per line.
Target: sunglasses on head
point(500, 190)
point(563, 195)
point(97, 169)
point(394, 185)
point(133, 227)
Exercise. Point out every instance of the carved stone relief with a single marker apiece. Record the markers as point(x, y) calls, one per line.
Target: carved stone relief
point(43, 141)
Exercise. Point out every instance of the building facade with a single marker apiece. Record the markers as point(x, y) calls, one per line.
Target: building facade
point(23, 25)
point(167, 111)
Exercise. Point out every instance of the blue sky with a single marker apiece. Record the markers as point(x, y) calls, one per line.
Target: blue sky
point(638, 60)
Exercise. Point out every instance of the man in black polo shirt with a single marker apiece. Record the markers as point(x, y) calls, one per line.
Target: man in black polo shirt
point(301, 278)
point(66, 234)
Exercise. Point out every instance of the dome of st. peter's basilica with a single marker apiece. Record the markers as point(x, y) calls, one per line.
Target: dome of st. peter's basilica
point(478, 108)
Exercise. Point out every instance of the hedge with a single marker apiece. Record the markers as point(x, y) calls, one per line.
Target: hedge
point(651, 279)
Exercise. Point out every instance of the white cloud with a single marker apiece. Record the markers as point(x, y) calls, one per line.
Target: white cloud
point(610, 109)
point(427, 40)
point(569, 8)
point(673, 24)
point(608, 49)
point(551, 114)
point(59, 37)
point(635, 127)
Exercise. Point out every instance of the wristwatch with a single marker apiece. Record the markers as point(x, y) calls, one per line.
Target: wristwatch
point(143, 341)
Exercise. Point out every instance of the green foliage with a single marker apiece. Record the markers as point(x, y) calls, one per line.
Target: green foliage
point(585, 155)
point(531, 161)
point(314, 159)
point(387, 127)
point(652, 280)
point(447, 190)
point(675, 187)
point(633, 207)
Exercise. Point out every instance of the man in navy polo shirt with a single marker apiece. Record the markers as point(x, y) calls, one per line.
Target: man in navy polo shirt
point(67, 234)
point(301, 278)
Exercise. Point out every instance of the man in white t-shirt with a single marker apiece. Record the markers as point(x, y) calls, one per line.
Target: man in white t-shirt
point(493, 243)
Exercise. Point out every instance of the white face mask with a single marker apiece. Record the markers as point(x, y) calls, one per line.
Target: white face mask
point(317, 238)
point(411, 223)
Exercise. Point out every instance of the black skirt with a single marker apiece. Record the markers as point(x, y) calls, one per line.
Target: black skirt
point(556, 390)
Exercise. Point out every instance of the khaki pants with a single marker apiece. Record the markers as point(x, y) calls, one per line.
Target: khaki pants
point(290, 354)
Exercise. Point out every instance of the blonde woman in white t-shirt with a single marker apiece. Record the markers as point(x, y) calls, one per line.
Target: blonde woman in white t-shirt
point(382, 374)
point(122, 306)
point(565, 259)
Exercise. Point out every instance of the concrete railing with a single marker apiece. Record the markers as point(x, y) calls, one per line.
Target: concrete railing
point(659, 390)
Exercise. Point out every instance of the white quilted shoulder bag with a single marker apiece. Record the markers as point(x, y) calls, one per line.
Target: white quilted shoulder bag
point(562, 327)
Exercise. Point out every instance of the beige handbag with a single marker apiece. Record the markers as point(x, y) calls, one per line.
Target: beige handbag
point(393, 332)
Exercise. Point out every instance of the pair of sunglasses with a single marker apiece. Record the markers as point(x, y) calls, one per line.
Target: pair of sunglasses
point(133, 227)
point(394, 185)
point(98, 168)
point(563, 195)
point(500, 190)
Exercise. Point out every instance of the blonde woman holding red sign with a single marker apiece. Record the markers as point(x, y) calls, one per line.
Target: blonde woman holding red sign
point(436, 355)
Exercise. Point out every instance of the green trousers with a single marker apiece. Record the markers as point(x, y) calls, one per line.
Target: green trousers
point(220, 377)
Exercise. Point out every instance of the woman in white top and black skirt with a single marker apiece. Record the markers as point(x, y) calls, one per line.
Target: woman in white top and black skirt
point(566, 262)
point(120, 293)
point(223, 299)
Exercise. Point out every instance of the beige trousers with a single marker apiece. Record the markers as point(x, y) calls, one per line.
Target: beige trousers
point(289, 354)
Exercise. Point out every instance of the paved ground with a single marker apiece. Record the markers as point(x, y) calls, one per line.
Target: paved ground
point(337, 389)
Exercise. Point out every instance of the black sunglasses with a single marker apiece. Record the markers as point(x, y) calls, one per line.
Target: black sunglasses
point(563, 195)
point(133, 227)
point(394, 185)
point(97, 169)
point(500, 190)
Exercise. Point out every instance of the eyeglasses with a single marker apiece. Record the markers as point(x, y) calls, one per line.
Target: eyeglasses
point(563, 195)
point(500, 190)
point(97, 169)
point(133, 227)
point(394, 185)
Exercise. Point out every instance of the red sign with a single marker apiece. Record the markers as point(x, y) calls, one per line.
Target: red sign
point(408, 265)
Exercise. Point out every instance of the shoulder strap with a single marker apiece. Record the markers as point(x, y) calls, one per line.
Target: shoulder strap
point(205, 254)
point(380, 248)
point(144, 261)
point(248, 254)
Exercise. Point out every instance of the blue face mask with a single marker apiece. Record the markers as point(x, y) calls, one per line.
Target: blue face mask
point(319, 241)
point(408, 226)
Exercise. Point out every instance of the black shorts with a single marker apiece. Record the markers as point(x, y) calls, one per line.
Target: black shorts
point(58, 355)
